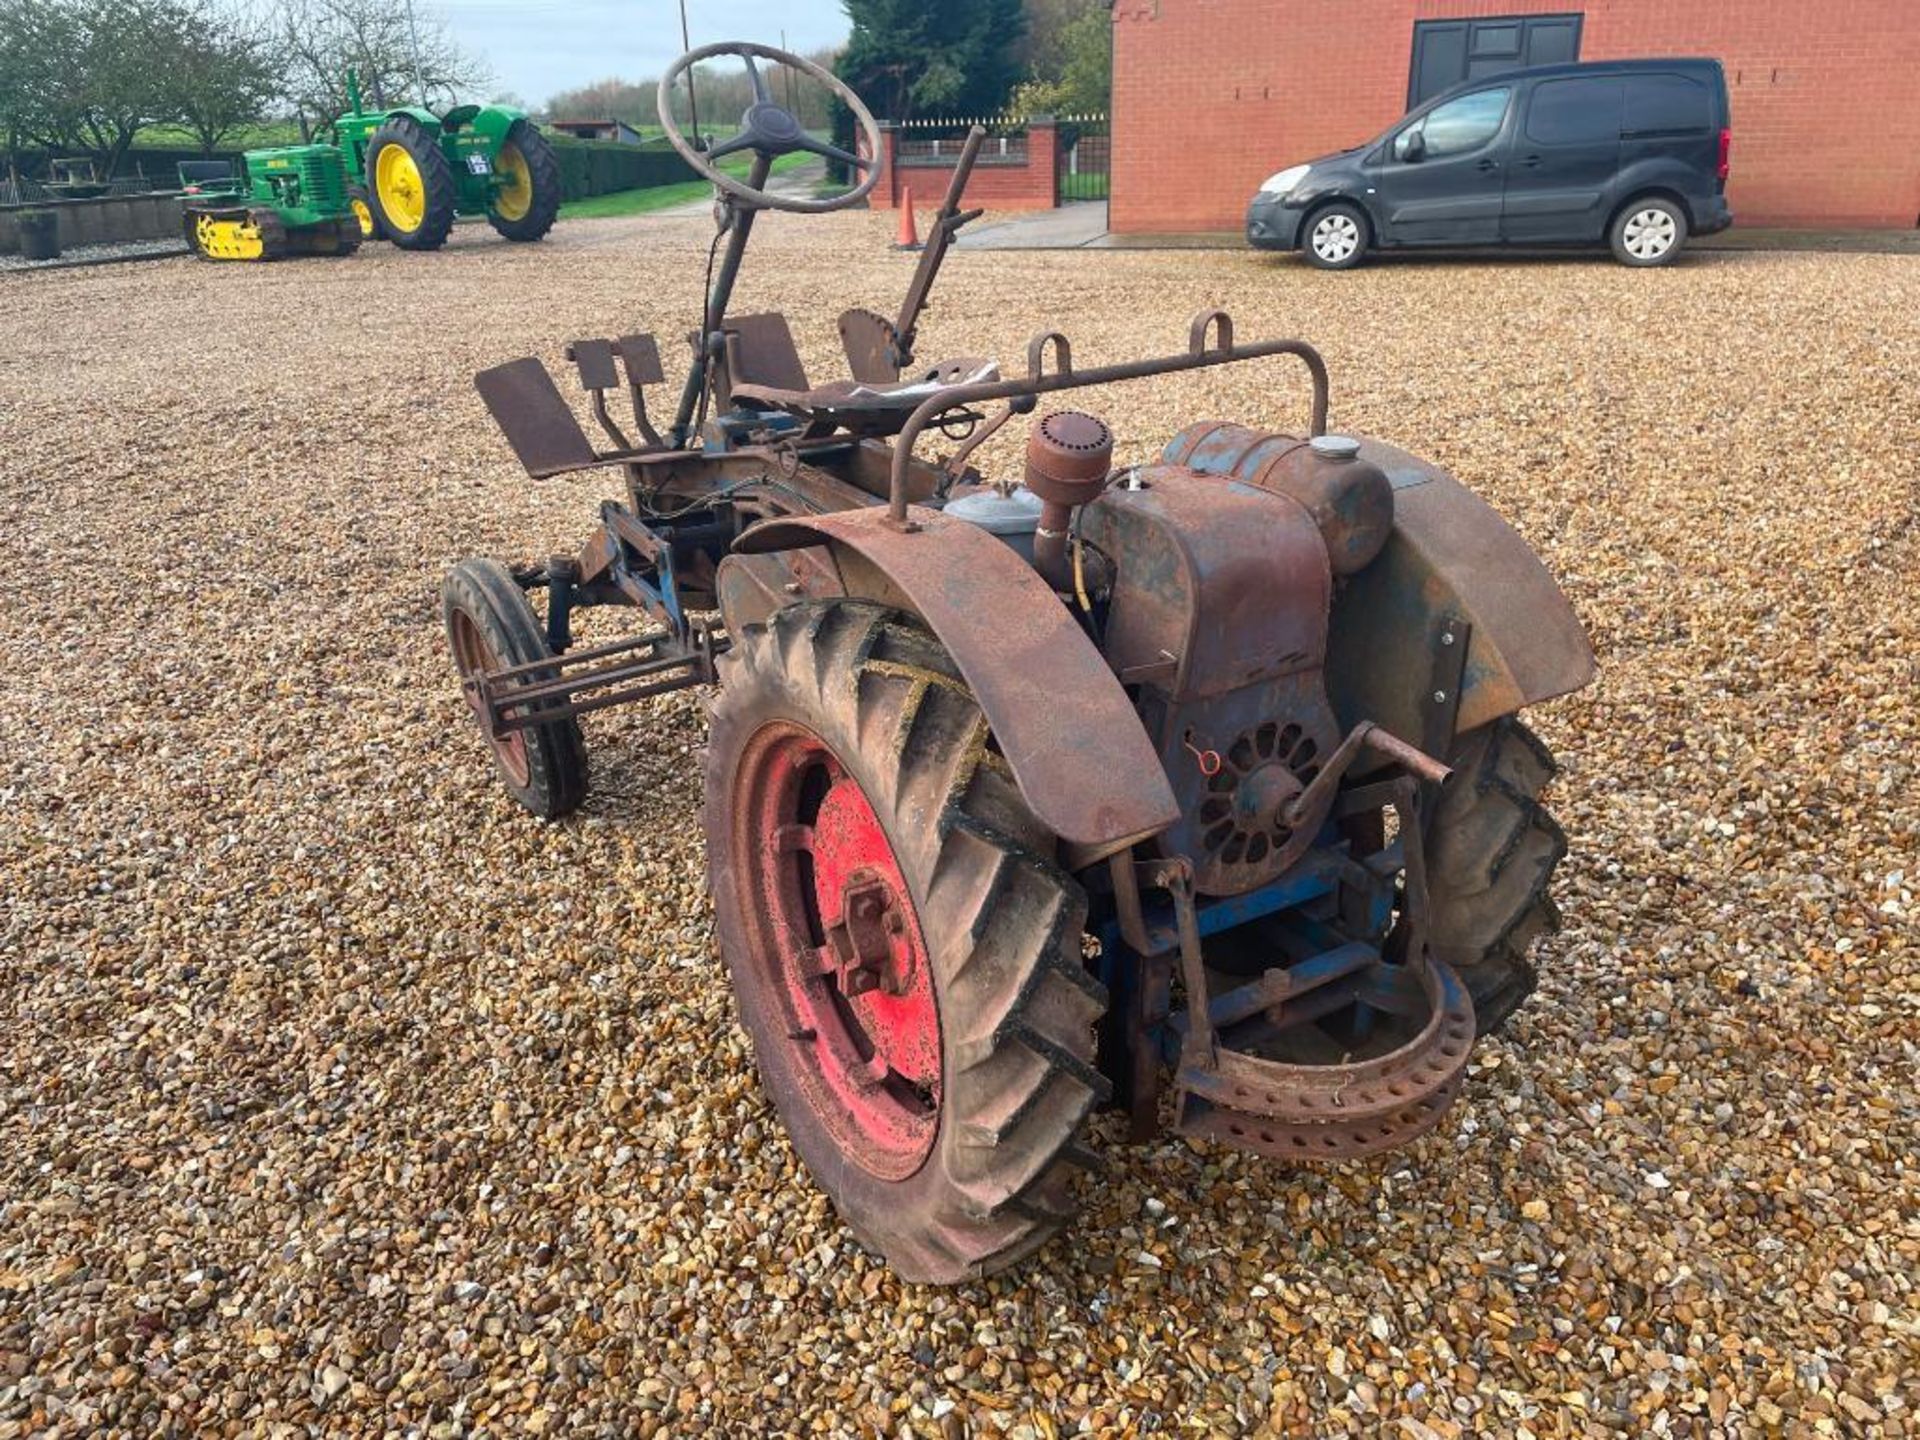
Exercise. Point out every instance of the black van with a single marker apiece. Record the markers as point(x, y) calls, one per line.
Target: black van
point(1626, 153)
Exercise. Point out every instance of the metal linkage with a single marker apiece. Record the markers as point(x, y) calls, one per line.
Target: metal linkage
point(518, 697)
point(1210, 342)
point(1248, 1070)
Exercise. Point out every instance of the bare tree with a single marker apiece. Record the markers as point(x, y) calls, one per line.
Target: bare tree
point(319, 41)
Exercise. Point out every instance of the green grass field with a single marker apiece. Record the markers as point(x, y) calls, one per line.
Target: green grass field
point(664, 197)
point(247, 137)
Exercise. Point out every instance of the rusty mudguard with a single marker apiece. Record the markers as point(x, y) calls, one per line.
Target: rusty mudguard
point(1058, 714)
point(1451, 558)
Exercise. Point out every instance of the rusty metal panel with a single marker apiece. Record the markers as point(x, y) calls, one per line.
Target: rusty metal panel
point(528, 408)
point(1230, 580)
point(1450, 555)
point(766, 352)
point(868, 341)
point(1057, 712)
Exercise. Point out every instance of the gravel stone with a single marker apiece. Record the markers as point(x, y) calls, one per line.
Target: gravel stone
point(338, 1095)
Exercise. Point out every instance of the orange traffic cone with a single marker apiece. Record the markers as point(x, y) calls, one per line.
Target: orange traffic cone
point(909, 234)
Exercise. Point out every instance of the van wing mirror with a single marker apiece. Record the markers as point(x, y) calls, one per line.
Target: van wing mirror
point(1413, 146)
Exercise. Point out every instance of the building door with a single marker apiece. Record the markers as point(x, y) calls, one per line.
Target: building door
point(1446, 52)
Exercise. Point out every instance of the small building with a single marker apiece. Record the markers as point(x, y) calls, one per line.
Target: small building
point(617, 132)
point(1212, 96)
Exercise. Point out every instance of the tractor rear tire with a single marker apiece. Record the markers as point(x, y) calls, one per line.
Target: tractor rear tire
point(526, 211)
point(844, 708)
point(412, 190)
point(490, 626)
point(1491, 853)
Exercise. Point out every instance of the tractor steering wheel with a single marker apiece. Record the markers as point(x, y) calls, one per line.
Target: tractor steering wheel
point(770, 129)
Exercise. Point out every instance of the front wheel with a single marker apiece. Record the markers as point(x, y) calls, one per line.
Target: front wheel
point(1648, 232)
point(1336, 237)
point(528, 201)
point(362, 207)
point(904, 950)
point(490, 626)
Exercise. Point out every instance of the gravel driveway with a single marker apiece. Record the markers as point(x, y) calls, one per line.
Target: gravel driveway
point(338, 1095)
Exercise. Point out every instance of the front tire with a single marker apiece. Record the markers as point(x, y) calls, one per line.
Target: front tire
point(526, 207)
point(411, 185)
point(490, 626)
point(1336, 237)
point(361, 204)
point(1647, 232)
point(1491, 852)
point(850, 774)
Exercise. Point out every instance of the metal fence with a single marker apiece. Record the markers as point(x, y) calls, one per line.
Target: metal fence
point(1085, 147)
point(23, 191)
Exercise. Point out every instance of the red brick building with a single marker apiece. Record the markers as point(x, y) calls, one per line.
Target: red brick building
point(1212, 96)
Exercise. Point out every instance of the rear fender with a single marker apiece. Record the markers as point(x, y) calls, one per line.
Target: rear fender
point(424, 118)
point(490, 122)
point(1450, 558)
point(1058, 714)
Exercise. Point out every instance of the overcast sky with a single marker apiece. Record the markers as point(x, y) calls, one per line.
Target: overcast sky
point(538, 47)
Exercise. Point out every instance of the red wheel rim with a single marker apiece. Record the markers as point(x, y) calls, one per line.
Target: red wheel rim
point(474, 655)
point(836, 943)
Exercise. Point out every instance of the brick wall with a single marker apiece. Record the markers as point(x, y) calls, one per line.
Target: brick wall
point(1021, 180)
point(1212, 96)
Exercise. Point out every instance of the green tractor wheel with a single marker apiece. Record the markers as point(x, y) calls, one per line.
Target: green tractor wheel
point(525, 207)
point(362, 206)
point(411, 185)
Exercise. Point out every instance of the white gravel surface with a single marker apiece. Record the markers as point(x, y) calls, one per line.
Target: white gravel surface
point(338, 1096)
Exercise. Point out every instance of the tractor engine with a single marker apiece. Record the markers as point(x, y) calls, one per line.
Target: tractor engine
point(1220, 574)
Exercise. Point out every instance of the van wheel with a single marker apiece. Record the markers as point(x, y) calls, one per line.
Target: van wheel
point(1648, 232)
point(1336, 237)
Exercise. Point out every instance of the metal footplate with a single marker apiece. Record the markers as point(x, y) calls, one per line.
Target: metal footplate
point(1257, 1072)
point(1337, 1110)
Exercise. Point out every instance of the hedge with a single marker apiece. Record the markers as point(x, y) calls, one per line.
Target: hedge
point(587, 167)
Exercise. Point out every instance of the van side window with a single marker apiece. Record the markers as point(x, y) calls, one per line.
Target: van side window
point(1666, 105)
point(1585, 111)
point(1459, 125)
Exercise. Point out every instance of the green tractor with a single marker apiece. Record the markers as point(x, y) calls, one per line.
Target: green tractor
point(412, 171)
point(289, 200)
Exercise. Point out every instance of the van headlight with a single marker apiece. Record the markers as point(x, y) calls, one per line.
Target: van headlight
point(1283, 183)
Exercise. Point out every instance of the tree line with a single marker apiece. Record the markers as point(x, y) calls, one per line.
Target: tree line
point(86, 77)
point(908, 59)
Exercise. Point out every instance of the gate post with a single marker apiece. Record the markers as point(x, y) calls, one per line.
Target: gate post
point(885, 194)
point(1043, 159)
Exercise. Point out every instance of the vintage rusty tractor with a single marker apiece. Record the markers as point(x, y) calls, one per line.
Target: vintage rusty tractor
point(1027, 793)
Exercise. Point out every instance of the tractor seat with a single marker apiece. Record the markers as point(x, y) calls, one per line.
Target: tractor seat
point(868, 408)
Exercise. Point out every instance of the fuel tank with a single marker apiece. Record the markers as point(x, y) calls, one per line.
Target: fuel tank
point(1349, 498)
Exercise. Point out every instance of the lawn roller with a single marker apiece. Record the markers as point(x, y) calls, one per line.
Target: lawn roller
point(412, 171)
point(1193, 787)
point(290, 200)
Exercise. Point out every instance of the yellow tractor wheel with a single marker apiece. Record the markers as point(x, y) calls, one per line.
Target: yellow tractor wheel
point(528, 200)
point(410, 186)
point(363, 213)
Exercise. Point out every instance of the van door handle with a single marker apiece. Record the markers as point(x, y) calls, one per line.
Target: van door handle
point(1488, 165)
point(1531, 161)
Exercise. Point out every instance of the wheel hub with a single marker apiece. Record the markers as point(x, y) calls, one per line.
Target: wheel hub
point(843, 947)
